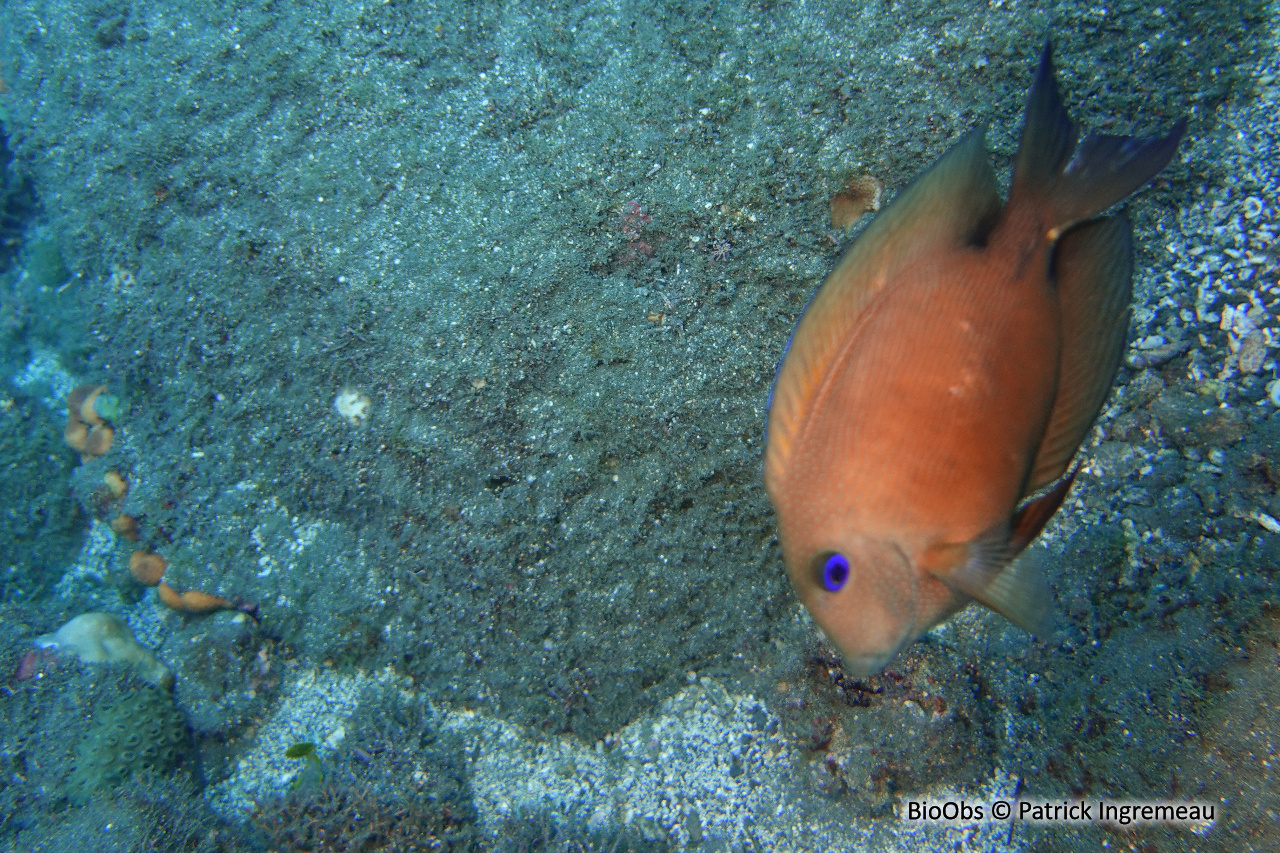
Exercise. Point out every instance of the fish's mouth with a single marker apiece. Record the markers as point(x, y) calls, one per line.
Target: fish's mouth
point(867, 661)
point(865, 666)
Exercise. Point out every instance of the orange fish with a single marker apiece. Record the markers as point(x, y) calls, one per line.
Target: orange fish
point(945, 374)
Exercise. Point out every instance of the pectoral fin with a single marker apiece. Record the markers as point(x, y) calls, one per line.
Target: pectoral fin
point(1016, 589)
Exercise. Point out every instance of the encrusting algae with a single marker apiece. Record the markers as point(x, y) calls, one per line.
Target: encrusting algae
point(944, 375)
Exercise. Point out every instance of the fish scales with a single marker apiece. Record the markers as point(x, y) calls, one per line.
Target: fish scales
point(945, 374)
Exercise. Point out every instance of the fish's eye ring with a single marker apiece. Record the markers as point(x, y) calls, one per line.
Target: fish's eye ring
point(835, 572)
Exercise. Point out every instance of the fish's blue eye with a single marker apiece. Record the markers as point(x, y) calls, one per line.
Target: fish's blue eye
point(835, 571)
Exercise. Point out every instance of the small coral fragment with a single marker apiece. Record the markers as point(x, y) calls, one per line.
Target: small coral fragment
point(102, 638)
point(141, 732)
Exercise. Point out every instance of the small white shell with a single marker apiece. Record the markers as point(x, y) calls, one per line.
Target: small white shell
point(1150, 342)
point(353, 406)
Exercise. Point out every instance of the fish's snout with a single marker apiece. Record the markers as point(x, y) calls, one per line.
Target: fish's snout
point(864, 666)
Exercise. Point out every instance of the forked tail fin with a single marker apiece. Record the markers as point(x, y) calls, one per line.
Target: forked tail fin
point(1077, 182)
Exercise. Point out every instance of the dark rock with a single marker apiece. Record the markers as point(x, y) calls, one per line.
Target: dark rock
point(1189, 420)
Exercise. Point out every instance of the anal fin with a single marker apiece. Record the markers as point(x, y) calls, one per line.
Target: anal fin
point(1031, 518)
point(1092, 268)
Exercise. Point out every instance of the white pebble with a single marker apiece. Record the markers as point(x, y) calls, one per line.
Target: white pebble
point(1150, 342)
point(1268, 522)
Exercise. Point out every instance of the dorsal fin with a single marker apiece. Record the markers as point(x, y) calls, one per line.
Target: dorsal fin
point(1092, 265)
point(955, 200)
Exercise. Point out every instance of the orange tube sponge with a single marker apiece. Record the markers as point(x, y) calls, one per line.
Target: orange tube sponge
point(127, 526)
point(76, 400)
point(146, 568)
point(88, 420)
point(116, 484)
point(191, 601)
point(99, 440)
point(87, 412)
point(76, 435)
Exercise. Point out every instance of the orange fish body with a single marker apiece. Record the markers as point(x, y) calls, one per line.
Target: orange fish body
point(945, 372)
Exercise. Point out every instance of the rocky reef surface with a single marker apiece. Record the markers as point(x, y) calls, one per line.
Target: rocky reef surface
point(441, 337)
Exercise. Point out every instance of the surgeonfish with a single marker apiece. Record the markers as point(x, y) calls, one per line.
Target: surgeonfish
point(938, 385)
